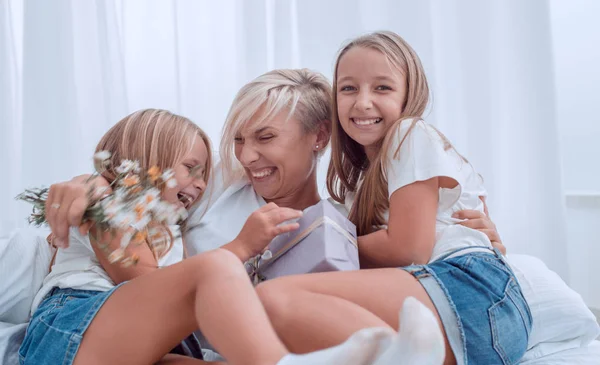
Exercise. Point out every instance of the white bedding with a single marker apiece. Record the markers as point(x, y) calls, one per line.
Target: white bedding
point(11, 335)
point(564, 329)
point(587, 355)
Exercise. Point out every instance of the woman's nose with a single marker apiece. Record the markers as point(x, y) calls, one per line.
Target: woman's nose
point(248, 155)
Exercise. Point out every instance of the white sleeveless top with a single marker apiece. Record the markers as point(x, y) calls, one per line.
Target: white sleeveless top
point(423, 156)
point(77, 266)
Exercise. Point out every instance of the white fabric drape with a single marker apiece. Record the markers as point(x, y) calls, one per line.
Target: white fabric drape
point(70, 69)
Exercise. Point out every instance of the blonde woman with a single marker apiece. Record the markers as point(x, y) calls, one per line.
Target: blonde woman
point(90, 311)
point(402, 181)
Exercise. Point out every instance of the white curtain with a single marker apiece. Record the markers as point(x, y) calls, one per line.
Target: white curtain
point(70, 69)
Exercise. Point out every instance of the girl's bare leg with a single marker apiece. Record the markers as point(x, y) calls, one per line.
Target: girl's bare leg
point(148, 316)
point(173, 359)
point(314, 311)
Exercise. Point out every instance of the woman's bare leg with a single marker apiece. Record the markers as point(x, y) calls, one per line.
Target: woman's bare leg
point(321, 310)
point(148, 316)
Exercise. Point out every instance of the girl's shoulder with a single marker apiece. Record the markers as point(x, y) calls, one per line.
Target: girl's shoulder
point(413, 135)
point(413, 128)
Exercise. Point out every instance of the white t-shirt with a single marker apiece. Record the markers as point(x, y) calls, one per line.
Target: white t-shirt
point(77, 266)
point(221, 214)
point(422, 156)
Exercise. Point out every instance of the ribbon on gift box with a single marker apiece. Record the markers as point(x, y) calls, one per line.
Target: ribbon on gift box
point(255, 264)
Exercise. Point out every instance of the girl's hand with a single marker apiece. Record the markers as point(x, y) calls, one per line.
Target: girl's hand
point(66, 205)
point(261, 227)
point(481, 222)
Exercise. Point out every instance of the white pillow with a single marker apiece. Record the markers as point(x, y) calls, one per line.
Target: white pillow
point(24, 262)
point(561, 319)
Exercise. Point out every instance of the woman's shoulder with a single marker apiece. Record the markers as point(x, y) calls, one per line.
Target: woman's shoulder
point(219, 191)
point(342, 208)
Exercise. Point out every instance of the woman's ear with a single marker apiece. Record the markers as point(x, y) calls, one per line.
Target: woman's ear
point(323, 135)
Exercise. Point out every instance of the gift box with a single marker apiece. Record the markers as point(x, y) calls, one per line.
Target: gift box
point(325, 241)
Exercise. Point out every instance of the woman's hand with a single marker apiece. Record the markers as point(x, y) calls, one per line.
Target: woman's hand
point(260, 228)
point(481, 222)
point(66, 204)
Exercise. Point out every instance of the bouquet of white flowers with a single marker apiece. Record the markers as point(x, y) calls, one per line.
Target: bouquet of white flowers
point(131, 204)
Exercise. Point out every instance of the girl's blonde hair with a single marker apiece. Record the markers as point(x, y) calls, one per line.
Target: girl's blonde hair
point(152, 137)
point(306, 95)
point(348, 159)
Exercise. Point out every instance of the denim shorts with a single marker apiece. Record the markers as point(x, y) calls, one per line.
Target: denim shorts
point(483, 311)
point(56, 328)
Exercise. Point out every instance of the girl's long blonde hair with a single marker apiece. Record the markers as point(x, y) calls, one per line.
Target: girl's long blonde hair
point(349, 163)
point(153, 137)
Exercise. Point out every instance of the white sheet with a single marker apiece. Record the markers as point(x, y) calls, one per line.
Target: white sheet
point(11, 336)
point(588, 355)
point(561, 319)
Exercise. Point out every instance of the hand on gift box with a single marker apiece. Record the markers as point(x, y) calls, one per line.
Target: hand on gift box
point(324, 241)
point(261, 227)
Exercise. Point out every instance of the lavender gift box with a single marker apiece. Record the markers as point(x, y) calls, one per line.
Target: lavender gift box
point(325, 241)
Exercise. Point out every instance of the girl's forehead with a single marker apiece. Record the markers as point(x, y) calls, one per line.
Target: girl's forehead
point(366, 62)
point(197, 146)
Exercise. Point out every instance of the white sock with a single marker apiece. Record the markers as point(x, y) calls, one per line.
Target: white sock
point(420, 341)
point(362, 348)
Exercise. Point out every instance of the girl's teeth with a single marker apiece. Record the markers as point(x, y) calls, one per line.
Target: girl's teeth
point(367, 121)
point(185, 199)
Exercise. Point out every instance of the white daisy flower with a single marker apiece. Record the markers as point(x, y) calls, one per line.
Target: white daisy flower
point(167, 175)
point(128, 166)
point(150, 198)
point(116, 256)
point(124, 218)
point(101, 160)
point(102, 155)
point(171, 183)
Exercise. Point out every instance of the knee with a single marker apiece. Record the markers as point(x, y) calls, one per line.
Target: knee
point(217, 263)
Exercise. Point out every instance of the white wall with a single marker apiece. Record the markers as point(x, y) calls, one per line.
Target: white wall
point(576, 43)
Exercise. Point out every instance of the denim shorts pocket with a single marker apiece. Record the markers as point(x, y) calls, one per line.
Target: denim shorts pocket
point(510, 321)
point(496, 262)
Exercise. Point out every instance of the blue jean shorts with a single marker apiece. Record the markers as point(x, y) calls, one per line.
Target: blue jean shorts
point(56, 328)
point(483, 311)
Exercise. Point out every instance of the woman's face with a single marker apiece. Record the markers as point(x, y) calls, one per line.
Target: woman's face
point(278, 155)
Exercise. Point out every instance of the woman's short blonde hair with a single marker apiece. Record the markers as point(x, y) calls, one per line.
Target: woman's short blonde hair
point(306, 94)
